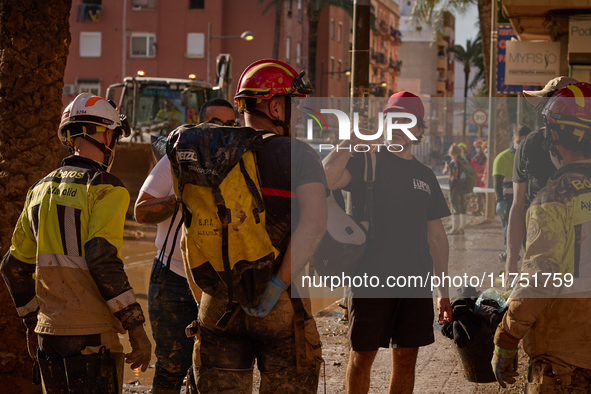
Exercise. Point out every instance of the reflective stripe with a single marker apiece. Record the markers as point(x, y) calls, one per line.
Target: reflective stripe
point(32, 306)
point(70, 231)
point(122, 301)
point(59, 260)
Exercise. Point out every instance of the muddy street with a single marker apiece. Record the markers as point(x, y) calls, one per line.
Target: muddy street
point(438, 368)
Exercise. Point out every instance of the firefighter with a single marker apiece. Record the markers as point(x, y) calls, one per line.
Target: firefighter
point(64, 269)
point(544, 309)
point(280, 332)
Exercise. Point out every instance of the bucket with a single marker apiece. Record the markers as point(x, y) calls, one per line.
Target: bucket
point(476, 356)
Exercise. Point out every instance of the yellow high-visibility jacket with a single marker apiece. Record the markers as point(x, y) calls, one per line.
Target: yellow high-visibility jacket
point(65, 264)
point(555, 321)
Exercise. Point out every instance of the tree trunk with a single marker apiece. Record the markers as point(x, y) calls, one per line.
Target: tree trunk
point(277, 32)
point(34, 42)
point(484, 9)
point(466, 79)
point(313, 18)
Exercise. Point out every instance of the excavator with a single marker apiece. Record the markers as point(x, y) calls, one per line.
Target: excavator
point(154, 107)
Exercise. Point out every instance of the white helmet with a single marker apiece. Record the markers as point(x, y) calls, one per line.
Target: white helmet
point(88, 114)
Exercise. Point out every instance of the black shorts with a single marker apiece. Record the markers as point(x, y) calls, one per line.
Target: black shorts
point(390, 322)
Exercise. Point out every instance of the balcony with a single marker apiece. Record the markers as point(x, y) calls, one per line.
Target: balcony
point(441, 63)
point(383, 28)
point(441, 86)
point(395, 66)
point(395, 36)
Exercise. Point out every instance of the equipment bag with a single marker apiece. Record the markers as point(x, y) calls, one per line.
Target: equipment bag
point(467, 175)
point(343, 244)
point(227, 246)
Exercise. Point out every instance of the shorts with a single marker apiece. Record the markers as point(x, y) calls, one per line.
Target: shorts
point(390, 322)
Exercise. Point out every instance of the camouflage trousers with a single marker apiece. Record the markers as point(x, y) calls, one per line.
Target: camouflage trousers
point(223, 360)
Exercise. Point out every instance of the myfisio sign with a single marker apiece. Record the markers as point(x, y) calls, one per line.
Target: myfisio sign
point(345, 129)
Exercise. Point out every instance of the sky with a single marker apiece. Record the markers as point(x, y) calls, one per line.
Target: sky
point(466, 25)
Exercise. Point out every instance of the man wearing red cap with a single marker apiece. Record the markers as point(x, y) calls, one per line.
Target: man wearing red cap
point(410, 204)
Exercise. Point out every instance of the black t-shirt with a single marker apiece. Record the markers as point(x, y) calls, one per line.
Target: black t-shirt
point(406, 196)
point(284, 164)
point(532, 165)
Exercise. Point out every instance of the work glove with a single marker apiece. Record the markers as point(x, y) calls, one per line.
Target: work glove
point(32, 338)
point(269, 298)
point(504, 365)
point(141, 348)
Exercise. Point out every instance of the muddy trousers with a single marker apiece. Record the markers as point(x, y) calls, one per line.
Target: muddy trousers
point(64, 370)
point(223, 360)
point(168, 319)
point(541, 380)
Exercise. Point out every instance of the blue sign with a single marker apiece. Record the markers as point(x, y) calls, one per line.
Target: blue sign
point(506, 32)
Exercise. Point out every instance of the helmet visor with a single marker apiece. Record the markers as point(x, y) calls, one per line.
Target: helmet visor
point(302, 85)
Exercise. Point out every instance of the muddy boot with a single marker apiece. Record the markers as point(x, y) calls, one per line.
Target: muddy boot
point(455, 225)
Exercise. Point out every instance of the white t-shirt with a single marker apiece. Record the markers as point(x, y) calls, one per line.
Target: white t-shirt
point(159, 184)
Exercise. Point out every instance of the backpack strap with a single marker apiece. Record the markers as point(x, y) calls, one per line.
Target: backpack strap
point(255, 192)
point(369, 177)
point(158, 269)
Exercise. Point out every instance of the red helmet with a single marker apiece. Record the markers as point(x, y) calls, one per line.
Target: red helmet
point(266, 78)
point(568, 113)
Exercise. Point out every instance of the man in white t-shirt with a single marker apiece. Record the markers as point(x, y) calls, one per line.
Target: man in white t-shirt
point(177, 308)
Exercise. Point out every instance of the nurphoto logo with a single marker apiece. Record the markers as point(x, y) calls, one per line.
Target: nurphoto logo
point(344, 122)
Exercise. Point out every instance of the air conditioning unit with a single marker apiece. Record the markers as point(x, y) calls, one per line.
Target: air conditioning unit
point(69, 89)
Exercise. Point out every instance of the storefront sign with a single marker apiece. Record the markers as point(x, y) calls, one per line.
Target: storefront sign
point(579, 36)
point(532, 63)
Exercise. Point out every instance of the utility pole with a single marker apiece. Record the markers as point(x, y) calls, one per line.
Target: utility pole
point(492, 109)
point(360, 60)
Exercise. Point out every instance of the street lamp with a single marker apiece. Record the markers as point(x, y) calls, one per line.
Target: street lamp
point(246, 35)
point(346, 71)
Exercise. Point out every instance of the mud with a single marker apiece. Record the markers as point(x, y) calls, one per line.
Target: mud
point(438, 368)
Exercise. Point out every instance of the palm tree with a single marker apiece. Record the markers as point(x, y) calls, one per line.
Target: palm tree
point(469, 56)
point(423, 12)
point(35, 38)
point(314, 9)
point(278, 4)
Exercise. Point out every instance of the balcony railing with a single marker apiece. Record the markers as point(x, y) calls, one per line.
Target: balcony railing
point(396, 65)
point(396, 35)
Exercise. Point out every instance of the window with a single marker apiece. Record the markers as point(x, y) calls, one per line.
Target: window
point(195, 44)
point(289, 8)
point(143, 4)
point(196, 4)
point(332, 29)
point(299, 53)
point(300, 11)
point(332, 67)
point(143, 44)
point(89, 87)
point(90, 44)
point(339, 67)
point(340, 32)
point(288, 49)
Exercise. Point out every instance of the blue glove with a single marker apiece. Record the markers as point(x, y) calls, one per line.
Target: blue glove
point(269, 299)
point(504, 365)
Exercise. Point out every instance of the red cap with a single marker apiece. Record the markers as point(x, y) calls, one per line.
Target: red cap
point(406, 102)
